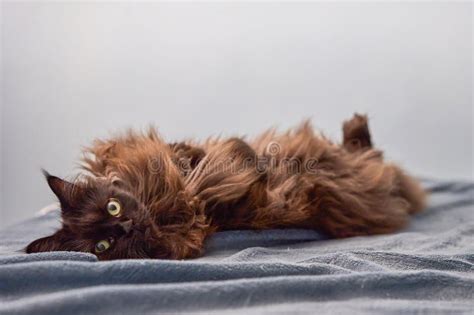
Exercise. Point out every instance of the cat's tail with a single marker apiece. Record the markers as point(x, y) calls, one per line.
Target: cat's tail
point(411, 190)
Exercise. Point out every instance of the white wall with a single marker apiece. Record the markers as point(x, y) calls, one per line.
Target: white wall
point(72, 72)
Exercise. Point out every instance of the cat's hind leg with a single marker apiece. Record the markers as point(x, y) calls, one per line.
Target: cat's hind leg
point(357, 138)
point(356, 134)
point(363, 203)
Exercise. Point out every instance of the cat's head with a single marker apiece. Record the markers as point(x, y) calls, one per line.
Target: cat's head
point(107, 220)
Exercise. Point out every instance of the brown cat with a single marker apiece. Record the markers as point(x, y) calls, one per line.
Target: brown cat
point(144, 198)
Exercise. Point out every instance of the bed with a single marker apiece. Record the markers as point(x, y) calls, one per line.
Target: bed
point(426, 268)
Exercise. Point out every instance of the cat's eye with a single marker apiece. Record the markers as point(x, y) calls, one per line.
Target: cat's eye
point(114, 207)
point(102, 246)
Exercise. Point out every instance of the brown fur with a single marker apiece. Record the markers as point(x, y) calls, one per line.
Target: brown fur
point(179, 194)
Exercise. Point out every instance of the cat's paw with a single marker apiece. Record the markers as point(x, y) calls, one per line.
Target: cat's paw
point(356, 135)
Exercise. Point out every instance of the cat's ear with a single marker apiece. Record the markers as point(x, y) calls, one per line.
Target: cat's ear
point(51, 243)
point(65, 191)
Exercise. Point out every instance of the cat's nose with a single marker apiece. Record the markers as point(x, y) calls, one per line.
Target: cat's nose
point(126, 225)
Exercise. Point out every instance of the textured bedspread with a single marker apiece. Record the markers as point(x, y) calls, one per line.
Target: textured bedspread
point(426, 268)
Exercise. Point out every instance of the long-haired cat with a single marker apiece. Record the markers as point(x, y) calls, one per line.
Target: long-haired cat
point(144, 198)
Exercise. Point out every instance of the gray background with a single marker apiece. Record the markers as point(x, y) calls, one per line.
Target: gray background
point(73, 72)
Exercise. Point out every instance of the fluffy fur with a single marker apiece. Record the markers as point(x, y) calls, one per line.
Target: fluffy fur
point(177, 195)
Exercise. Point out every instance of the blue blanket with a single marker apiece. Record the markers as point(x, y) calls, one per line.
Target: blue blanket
point(426, 268)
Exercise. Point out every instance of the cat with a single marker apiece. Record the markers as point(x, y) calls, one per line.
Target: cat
point(144, 198)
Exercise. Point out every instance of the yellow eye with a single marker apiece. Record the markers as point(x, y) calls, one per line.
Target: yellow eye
point(102, 246)
point(114, 207)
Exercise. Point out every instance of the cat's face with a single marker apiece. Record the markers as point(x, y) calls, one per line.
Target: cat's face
point(108, 221)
